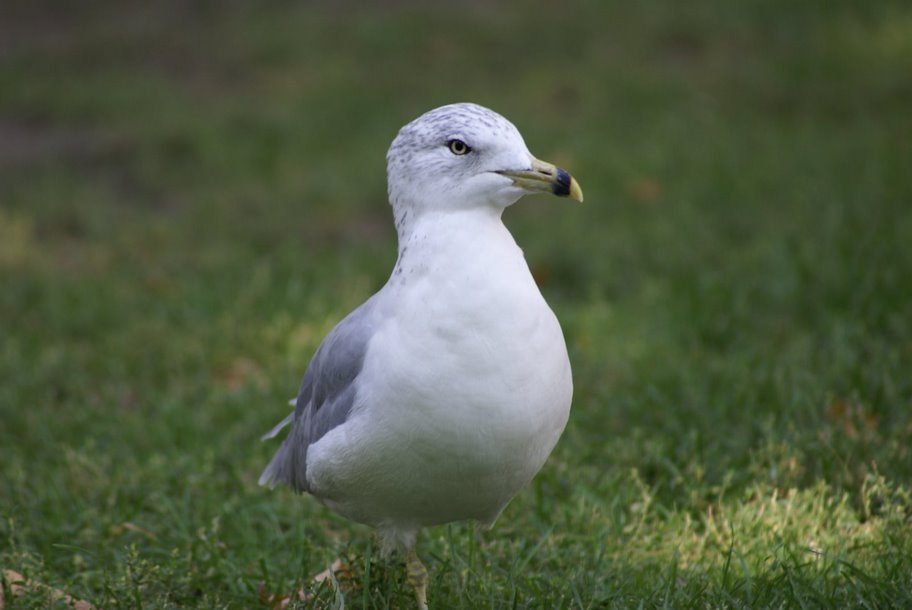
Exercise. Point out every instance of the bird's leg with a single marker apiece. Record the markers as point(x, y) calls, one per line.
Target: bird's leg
point(417, 576)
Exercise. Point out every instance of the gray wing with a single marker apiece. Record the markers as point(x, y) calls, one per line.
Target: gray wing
point(325, 398)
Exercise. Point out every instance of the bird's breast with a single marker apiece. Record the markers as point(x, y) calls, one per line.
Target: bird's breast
point(478, 332)
point(474, 375)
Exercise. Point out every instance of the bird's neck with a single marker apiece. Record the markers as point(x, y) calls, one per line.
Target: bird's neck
point(432, 226)
point(432, 240)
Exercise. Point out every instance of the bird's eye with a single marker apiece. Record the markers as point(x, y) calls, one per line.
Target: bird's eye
point(458, 147)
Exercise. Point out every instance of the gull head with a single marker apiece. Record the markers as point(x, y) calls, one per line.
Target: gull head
point(463, 156)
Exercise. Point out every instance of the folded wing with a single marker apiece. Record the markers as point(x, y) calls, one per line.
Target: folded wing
point(325, 398)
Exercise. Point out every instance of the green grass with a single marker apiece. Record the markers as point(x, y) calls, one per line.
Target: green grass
point(189, 200)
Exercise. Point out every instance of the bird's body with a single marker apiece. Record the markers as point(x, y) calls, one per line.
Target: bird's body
point(442, 396)
point(468, 395)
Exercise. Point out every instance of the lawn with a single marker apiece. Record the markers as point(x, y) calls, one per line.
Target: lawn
point(191, 198)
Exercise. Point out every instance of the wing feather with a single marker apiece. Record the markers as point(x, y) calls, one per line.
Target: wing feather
point(326, 396)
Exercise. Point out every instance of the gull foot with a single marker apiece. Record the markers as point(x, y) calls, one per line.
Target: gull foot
point(417, 577)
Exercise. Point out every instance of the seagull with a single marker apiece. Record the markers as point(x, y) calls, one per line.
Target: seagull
point(440, 397)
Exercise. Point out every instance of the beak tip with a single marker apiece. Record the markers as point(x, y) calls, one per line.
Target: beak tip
point(575, 191)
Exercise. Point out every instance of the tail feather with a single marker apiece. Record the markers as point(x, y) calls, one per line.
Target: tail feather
point(273, 473)
point(278, 427)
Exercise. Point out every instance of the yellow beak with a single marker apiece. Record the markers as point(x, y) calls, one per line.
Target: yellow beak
point(545, 177)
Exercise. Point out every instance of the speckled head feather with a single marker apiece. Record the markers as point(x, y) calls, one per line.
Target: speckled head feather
point(423, 172)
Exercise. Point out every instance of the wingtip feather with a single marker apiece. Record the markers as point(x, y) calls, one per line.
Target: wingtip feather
point(278, 428)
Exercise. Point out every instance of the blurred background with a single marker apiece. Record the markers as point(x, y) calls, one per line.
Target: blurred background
point(193, 194)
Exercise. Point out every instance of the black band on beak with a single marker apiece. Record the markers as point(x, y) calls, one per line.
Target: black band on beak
point(561, 185)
